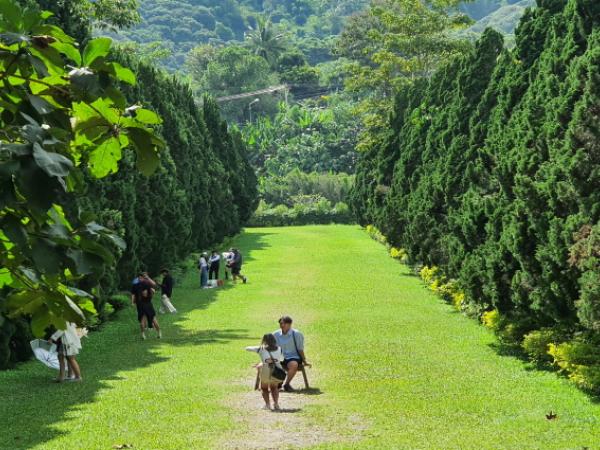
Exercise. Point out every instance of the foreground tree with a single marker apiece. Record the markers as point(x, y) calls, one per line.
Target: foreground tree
point(60, 111)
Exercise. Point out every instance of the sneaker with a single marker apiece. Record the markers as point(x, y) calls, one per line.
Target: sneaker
point(245, 280)
point(144, 336)
point(266, 408)
point(174, 312)
point(277, 407)
point(288, 388)
point(160, 334)
point(71, 378)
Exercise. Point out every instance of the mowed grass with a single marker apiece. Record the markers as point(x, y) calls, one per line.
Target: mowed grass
point(394, 367)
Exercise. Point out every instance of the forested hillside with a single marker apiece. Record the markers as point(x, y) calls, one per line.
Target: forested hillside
point(490, 172)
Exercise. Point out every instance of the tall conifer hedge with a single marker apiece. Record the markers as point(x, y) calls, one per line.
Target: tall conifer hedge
point(491, 170)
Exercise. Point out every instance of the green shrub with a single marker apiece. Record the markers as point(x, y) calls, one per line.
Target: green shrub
point(537, 343)
point(108, 309)
point(118, 302)
point(581, 361)
point(301, 215)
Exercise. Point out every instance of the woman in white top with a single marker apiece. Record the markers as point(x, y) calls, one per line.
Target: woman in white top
point(68, 344)
point(270, 354)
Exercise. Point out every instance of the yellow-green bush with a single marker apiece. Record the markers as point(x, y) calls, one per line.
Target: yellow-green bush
point(398, 253)
point(537, 343)
point(581, 360)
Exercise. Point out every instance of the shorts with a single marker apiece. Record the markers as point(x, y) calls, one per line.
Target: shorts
point(236, 270)
point(145, 308)
point(265, 374)
point(286, 361)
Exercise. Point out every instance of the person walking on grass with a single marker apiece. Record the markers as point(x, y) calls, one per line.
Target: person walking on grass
point(270, 354)
point(228, 256)
point(292, 345)
point(166, 291)
point(236, 266)
point(68, 345)
point(214, 262)
point(203, 267)
point(141, 297)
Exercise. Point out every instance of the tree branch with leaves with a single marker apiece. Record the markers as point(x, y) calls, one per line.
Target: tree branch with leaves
point(61, 113)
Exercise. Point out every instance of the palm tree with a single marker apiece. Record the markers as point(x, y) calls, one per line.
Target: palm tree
point(263, 41)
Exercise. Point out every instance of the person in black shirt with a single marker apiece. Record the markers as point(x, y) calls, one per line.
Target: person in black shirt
point(141, 296)
point(167, 291)
point(213, 265)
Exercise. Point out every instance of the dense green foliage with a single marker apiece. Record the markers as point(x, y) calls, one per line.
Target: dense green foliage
point(299, 187)
point(315, 136)
point(312, 212)
point(490, 170)
point(54, 118)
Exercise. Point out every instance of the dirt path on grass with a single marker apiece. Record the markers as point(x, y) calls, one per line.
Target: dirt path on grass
point(286, 429)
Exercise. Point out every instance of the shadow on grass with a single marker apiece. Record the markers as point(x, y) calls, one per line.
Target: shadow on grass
point(32, 406)
point(309, 391)
point(249, 243)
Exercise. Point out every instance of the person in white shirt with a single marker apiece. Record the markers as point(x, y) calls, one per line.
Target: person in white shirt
point(292, 344)
point(228, 257)
point(270, 354)
point(203, 266)
point(68, 345)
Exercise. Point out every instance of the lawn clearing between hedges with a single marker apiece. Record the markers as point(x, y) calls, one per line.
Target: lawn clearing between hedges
point(394, 367)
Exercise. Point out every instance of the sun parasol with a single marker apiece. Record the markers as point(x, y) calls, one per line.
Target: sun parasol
point(45, 353)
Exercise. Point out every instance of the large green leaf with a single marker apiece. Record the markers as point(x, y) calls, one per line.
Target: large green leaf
point(46, 256)
point(37, 187)
point(147, 116)
point(83, 263)
point(53, 164)
point(24, 302)
point(14, 230)
point(103, 160)
point(68, 49)
point(8, 38)
point(97, 249)
point(5, 277)
point(120, 72)
point(147, 156)
point(11, 12)
point(40, 105)
point(85, 80)
point(42, 319)
point(39, 66)
point(54, 31)
point(97, 48)
point(118, 240)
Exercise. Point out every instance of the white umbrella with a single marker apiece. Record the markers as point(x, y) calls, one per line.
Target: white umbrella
point(45, 353)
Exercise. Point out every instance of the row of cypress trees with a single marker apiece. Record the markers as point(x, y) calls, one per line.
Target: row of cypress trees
point(491, 170)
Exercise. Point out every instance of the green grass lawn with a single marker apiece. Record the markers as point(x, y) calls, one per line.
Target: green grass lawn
point(394, 367)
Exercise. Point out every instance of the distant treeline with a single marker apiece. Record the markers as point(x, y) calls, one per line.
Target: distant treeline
point(491, 171)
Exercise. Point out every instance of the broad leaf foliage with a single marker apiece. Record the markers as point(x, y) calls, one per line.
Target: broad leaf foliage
point(60, 113)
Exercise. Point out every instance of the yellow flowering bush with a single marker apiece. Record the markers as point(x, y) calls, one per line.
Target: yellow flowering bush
point(398, 253)
point(581, 360)
point(491, 319)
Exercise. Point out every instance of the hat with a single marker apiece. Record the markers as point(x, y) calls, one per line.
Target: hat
point(204, 253)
